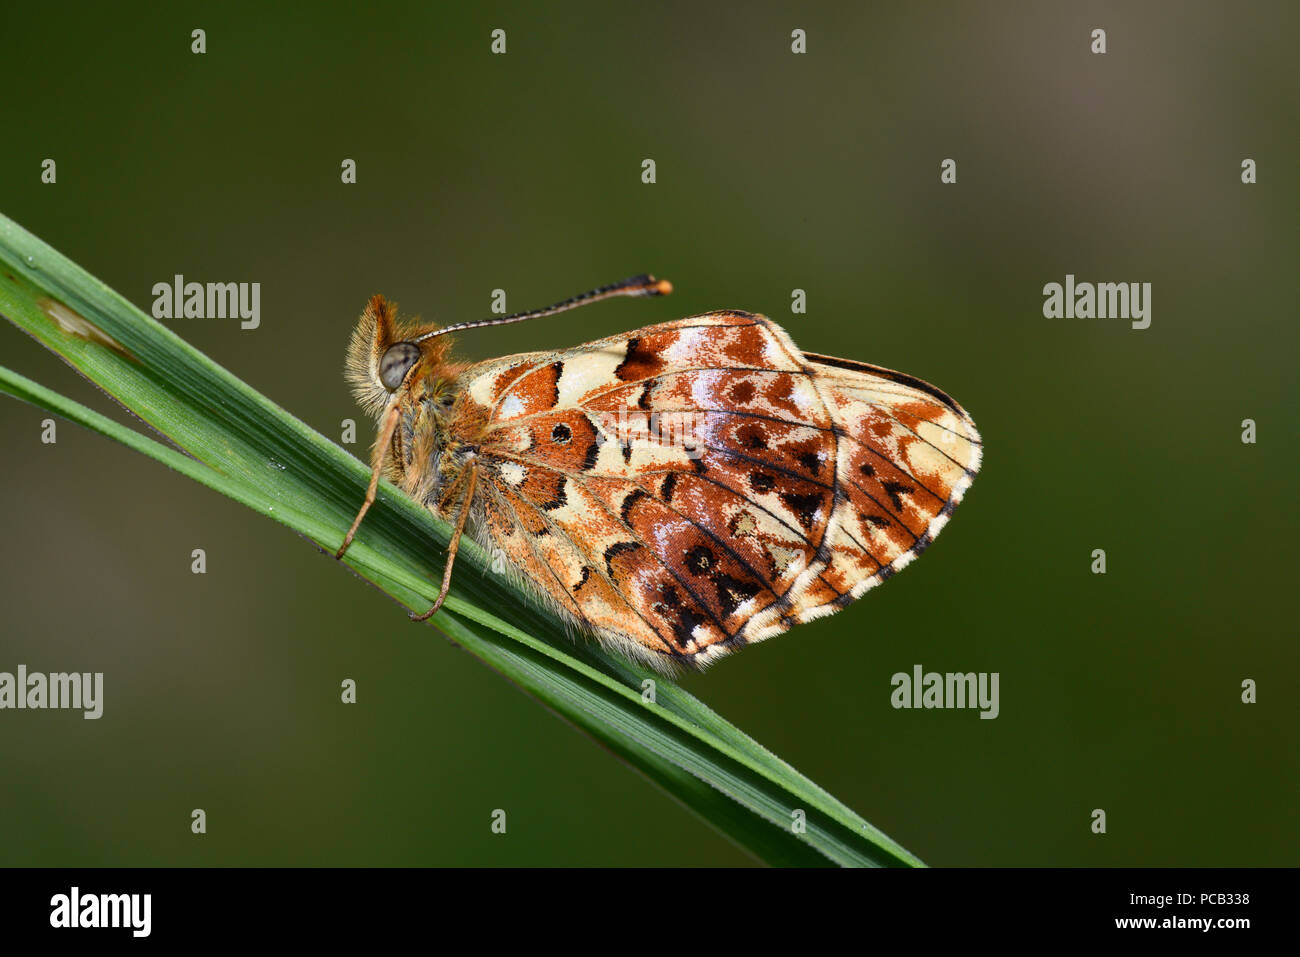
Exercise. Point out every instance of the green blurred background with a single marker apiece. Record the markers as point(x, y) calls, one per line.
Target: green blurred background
point(775, 171)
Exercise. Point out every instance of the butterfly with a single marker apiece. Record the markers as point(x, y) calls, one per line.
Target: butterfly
point(680, 491)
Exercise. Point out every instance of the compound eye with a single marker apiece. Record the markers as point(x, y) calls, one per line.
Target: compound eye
point(396, 362)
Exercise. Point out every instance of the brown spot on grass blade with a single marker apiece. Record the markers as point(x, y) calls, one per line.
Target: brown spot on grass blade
point(74, 324)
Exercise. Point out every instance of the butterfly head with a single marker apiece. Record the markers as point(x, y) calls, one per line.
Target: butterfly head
point(387, 359)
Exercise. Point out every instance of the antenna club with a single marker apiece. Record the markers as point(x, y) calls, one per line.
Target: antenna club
point(662, 288)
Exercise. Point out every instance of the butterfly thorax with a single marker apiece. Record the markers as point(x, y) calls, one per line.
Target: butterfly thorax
point(429, 447)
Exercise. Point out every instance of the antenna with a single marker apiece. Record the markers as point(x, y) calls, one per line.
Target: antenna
point(643, 285)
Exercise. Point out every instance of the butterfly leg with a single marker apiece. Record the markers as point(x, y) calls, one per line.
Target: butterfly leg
point(452, 547)
point(382, 443)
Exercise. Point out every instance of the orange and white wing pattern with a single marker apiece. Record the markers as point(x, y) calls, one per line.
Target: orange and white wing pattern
point(692, 487)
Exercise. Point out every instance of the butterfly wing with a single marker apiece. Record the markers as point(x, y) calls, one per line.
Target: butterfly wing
point(906, 453)
point(695, 486)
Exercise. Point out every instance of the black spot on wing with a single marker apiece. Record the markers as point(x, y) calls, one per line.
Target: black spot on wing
point(615, 550)
point(630, 502)
point(752, 436)
point(558, 369)
point(666, 490)
point(700, 560)
point(732, 593)
point(639, 363)
point(561, 497)
point(804, 506)
point(893, 490)
point(812, 462)
point(876, 520)
point(682, 617)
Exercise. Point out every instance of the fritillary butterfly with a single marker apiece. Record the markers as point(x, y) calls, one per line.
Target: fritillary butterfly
point(679, 491)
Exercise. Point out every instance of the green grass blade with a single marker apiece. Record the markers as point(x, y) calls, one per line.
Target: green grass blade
point(239, 443)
